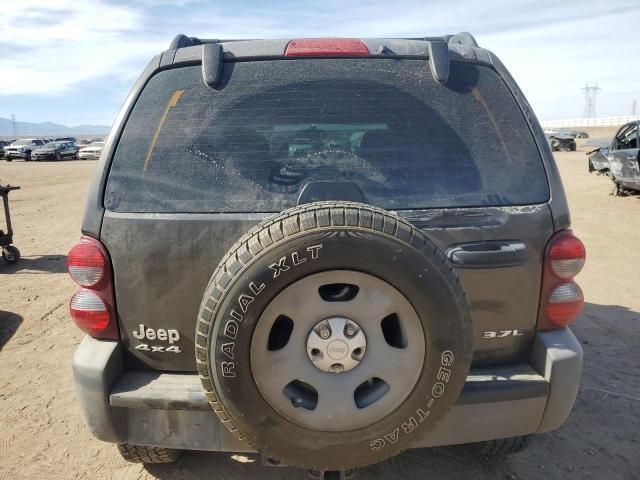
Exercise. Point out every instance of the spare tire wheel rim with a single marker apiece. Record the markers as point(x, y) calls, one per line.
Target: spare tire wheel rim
point(346, 363)
point(349, 267)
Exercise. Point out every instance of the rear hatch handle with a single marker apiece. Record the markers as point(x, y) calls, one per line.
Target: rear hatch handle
point(488, 254)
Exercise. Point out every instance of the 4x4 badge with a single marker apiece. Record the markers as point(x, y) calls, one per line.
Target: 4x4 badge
point(170, 336)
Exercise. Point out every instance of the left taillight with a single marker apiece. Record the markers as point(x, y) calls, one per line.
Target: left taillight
point(92, 307)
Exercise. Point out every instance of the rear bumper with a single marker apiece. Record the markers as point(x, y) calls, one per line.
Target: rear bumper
point(171, 410)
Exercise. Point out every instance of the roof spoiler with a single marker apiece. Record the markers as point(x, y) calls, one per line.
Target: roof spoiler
point(463, 38)
point(438, 50)
point(211, 64)
point(439, 60)
point(182, 41)
point(212, 55)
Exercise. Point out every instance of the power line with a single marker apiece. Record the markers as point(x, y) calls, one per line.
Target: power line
point(590, 94)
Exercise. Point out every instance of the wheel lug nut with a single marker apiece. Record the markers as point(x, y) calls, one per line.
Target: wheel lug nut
point(325, 333)
point(349, 331)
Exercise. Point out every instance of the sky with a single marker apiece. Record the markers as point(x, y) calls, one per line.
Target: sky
point(73, 62)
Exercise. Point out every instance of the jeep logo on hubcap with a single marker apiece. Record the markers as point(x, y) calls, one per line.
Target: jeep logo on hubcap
point(337, 349)
point(336, 345)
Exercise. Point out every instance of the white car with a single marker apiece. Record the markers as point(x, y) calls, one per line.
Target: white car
point(91, 151)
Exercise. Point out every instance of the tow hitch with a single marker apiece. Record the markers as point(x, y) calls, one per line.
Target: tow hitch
point(314, 474)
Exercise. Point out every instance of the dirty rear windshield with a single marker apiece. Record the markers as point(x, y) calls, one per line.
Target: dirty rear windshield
point(382, 128)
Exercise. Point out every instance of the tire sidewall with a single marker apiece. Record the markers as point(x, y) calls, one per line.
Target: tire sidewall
point(420, 276)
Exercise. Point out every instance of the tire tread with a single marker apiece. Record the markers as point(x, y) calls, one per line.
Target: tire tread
point(145, 454)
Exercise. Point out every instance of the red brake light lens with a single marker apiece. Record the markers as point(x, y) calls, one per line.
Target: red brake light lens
point(87, 262)
point(326, 47)
point(89, 312)
point(567, 256)
point(565, 304)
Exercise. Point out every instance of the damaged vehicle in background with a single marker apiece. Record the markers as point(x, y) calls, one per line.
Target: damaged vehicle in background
point(620, 160)
point(560, 142)
point(578, 134)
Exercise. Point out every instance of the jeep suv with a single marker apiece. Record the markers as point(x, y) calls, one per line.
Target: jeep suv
point(325, 251)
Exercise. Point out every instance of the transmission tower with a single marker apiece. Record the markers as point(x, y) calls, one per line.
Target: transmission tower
point(590, 93)
point(13, 125)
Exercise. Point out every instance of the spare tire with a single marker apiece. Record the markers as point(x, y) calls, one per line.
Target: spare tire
point(333, 335)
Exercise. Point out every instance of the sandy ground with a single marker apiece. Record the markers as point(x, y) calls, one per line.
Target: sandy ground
point(42, 435)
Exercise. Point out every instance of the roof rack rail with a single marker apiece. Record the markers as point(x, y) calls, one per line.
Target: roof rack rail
point(463, 38)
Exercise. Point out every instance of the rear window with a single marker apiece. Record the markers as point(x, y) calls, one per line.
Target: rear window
point(273, 128)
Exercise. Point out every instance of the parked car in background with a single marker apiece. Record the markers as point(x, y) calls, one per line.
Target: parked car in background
point(66, 139)
point(91, 151)
point(3, 143)
point(22, 148)
point(561, 143)
point(620, 161)
point(55, 151)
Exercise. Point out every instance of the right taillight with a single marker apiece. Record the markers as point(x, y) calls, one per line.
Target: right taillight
point(92, 307)
point(561, 299)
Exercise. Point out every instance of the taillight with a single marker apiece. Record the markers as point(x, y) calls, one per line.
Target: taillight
point(561, 299)
point(87, 262)
point(92, 307)
point(326, 47)
point(89, 312)
point(566, 254)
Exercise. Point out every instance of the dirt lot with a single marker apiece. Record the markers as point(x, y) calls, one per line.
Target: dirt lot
point(42, 435)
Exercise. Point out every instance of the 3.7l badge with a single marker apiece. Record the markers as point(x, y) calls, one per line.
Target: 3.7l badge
point(502, 333)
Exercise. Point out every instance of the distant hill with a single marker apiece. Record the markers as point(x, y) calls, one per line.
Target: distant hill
point(48, 128)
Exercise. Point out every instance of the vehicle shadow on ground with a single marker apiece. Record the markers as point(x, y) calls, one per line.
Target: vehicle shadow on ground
point(434, 463)
point(36, 264)
point(9, 323)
